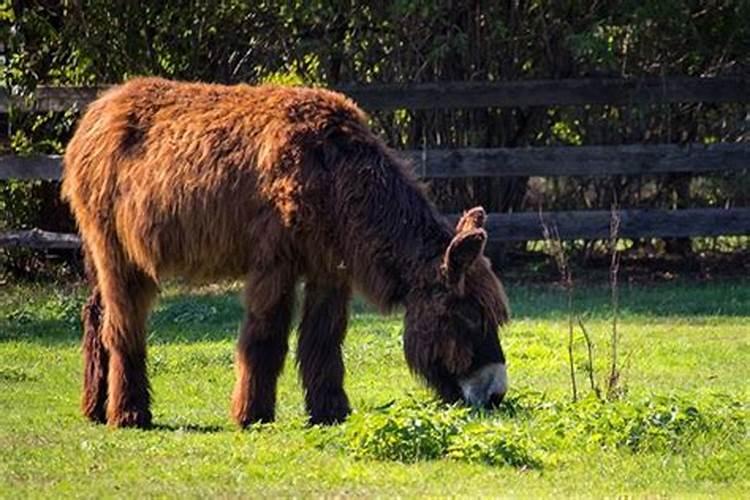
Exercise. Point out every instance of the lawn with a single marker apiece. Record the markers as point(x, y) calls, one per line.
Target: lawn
point(680, 429)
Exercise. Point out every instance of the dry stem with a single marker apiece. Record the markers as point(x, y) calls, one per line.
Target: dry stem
point(590, 368)
point(614, 269)
point(555, 247)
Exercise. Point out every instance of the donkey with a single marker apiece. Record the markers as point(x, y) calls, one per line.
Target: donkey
point(273, 185)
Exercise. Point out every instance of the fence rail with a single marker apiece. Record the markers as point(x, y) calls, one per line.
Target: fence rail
point(527, 226)
point(446, 95)
point(36, 238)
point(510, 162)
point(595, 224)
point(28, 168)
point(500, 162)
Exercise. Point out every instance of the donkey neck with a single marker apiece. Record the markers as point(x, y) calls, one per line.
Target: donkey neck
point(390, 236)
point(399, 249)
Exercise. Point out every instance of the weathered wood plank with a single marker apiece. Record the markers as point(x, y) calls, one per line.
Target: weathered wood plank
point(45, 167)
point(53, 98)
point(36, 238)
point(508, 162)
point(444, 95)
point(527, 226)
point(581, 160)
point(571, 92)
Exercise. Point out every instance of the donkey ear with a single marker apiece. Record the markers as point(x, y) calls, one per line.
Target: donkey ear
point(461, 253)
point(472, 219)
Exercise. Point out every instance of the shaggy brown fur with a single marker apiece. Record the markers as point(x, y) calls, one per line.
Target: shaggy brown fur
point(273, 184)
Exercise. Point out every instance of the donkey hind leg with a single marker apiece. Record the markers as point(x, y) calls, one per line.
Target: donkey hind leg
point(127, 296)
point(95, 361)
point(262, 347)
point(95, 355)
point(319, 353)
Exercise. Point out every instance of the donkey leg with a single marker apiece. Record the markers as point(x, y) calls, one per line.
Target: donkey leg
point(95, 355)
point(262, 347)
point(95, 361)
point(127, 297)
point(319, 353)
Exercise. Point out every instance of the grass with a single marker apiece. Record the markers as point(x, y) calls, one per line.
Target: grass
point(681, 429)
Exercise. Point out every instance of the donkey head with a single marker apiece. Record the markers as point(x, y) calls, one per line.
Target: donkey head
point(450, 335)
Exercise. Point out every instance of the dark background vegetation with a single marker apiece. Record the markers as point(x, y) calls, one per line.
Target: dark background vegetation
point(79, 42)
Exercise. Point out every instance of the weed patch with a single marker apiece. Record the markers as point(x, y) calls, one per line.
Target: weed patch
point(530, 431)
point(405, 433)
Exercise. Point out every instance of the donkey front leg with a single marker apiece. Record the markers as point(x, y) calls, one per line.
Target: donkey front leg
point(127, 298)
point(262, 347)
point(319, 353)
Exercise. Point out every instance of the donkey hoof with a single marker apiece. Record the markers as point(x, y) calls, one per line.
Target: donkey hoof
point(248, 417)
point(246, 422)
point(330, 419)
point(94, 409)
point(140, 419)
point(334, 411)
point(95, 415)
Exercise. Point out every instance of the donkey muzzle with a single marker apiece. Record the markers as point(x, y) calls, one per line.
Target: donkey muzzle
point(485, 386)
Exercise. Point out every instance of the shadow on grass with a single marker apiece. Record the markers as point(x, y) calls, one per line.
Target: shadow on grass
point(216, 316)
point(189, 428)
point(728, 298)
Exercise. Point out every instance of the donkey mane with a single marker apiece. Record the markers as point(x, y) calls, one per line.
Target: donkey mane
point(392, 235)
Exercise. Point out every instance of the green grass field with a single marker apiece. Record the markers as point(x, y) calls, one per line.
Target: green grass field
point(681, 428)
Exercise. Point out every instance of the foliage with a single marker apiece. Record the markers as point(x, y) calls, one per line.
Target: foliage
point(495, 443)
point(530, 430)
point(327, 43)
point(406, 432)
point(17, 203)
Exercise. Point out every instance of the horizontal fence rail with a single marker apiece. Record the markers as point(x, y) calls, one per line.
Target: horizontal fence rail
point(581, 160)
point(528, 226)
point(573, 92)
point(509, 162)
point(41, 240)
point(595, 224)
point(447, 95)
point(27, 168)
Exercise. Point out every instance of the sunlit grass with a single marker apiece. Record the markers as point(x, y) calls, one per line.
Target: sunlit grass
point(687, 344)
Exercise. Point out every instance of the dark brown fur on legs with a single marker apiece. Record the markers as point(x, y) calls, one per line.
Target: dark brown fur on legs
point(261, 350)
point(127, 301)
point(319, 354)
point(95, 356)
point(95, 361)
point(129, 400)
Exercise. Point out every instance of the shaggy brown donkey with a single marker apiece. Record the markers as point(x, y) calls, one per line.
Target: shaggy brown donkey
point(272, 184)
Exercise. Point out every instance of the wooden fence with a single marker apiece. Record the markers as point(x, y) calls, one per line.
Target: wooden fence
point(505, 162)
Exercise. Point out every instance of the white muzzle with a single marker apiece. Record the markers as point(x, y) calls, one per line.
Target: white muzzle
point(486, 382)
